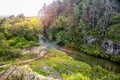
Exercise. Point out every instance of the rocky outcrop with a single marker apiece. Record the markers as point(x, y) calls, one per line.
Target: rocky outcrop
point(90, 40)
point(111, 48)
point(50, 71)
point(22, 73)
point(35, 50)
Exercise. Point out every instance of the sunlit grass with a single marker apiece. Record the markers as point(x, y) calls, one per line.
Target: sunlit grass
point(68, 68)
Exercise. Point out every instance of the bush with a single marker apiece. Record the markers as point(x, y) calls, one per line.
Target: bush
point(17, 42)
point(115, 58)
point(13, 53)
point(2, 37)
point(3, 46)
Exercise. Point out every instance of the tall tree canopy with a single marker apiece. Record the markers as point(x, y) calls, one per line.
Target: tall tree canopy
point(72, 22)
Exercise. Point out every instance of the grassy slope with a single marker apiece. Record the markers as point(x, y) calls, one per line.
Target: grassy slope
point(67, 67)
point(70, 69)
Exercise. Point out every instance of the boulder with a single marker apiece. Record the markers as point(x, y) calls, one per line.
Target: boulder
point(111, 48)
point(90, 40)
point(23, 73)
point(116, 48)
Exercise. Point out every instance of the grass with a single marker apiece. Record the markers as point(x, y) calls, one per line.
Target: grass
point(7, 63)
point(70, 69)
point(60, 62)
point(28, 56)
point(21, 42)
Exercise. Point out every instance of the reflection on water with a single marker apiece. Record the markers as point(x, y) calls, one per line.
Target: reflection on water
point(91, 60)
point(78, 55)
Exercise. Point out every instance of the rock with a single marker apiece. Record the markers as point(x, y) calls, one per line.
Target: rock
point(23, 73)
point(42, 53)
point(90, 40)
point(77, 67)
point(7, 73)
point(116, 48)
point(54, 74)
point(50, 72)
point(108, 46)
point(111, 48)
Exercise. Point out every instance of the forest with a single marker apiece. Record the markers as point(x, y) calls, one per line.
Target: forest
point(68, 40)
point(17, 32)
point(92, 26)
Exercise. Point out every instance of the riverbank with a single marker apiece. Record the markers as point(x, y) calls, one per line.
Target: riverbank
point(89, 59)
point(59, 65)
point(80, 55)
point(93, 51)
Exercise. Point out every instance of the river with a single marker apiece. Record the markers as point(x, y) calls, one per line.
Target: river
point(78, 55)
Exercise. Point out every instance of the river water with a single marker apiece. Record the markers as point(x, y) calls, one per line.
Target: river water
point(78, 55)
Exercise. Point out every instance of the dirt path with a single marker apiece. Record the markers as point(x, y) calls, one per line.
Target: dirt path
point(36, 49)
point(40, 50)
point(42, 53)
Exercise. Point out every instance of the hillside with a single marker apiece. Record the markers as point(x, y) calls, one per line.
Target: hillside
point(92, 26)
point(69, 40)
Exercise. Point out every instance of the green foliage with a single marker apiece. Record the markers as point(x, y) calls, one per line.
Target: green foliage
point(70, 69)
point(27, 56)
point(74, 20)
point(58, 29)
point(115, 58)
point(114, 32)
point(75, 77)
point(18, 32)
point(13, 53)
point(19, 26)
point(20, 42)
point(16, 41)
point(2, 37)
point(114, 19)
point(3, 47)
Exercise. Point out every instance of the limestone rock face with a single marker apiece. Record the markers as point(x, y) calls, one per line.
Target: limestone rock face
point(111, 48)
point(90, 40)
point(23, 73)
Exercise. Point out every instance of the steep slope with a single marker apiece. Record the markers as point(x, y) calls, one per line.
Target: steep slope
point(92, 26)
